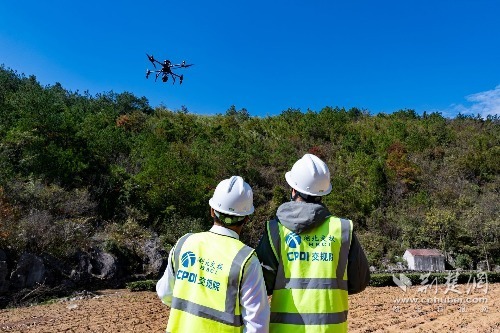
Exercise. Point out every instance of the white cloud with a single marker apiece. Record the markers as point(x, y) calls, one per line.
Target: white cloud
point(483, 103)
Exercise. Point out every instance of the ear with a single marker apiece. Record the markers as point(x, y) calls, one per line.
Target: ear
point(212, 213)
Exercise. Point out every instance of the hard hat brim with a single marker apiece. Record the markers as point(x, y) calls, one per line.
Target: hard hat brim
point(212, 204)
point(294, 185)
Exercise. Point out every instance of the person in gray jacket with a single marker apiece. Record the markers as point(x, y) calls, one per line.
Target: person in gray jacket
point(308, 253)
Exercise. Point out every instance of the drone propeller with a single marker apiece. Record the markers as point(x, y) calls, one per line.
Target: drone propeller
point(181, 65)
point(184, 64)
point(152, 59)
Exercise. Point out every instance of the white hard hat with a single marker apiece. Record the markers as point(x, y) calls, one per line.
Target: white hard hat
point(233, 196)
point(310, 175)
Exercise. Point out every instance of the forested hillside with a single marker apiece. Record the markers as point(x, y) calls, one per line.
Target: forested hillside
point(80, 171)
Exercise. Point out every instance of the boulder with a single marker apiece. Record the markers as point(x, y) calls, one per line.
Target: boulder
point(400, 266)
point(95, 264)
point(56, 270)
point(155, 258)
point(482, 265)
point(4, 272)
point(103, 265)
point(80, 273)
point(29, 272)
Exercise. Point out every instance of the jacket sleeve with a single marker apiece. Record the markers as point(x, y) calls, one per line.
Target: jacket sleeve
point(254, 303)
point(268, 261)
point(165, 286)
point(358, 272)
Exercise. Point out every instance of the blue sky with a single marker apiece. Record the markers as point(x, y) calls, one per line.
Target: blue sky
point(266, 56)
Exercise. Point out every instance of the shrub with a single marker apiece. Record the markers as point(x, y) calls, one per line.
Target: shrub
point(464, 261)
point(146, 285)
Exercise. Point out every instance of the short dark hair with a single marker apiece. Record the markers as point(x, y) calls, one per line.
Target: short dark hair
point(307, 198)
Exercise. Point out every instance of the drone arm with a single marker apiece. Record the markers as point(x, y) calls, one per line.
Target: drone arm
point(181, 65)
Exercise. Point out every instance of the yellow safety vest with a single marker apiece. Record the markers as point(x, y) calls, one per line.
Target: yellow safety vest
point(310, 292)
point(208, 269)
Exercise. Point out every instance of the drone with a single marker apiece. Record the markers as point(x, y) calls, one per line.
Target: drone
point(166, 69)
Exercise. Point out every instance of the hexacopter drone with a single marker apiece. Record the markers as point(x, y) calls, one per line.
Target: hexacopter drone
point(166, 69)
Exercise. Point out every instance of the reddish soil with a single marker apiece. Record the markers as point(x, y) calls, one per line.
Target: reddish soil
point(374, 310)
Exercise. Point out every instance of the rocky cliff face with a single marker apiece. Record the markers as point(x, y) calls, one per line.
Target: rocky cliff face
point(89, 269)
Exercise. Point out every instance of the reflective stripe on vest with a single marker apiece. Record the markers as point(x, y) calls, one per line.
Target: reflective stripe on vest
point(177, 251)
point(227, 313)
point(315, 283)
point(309, 318)
point(206, 312)
point(298, 297)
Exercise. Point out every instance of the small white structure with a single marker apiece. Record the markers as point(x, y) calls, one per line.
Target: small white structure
point(424, 259)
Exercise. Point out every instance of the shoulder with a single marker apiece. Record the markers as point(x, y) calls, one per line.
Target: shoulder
point(273, 224)
point(252, 267)
point(180, 242)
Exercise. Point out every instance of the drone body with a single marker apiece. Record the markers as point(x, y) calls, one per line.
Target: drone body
point(166, 69)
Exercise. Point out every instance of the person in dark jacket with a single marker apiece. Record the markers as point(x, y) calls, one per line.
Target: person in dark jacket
point(311, 259)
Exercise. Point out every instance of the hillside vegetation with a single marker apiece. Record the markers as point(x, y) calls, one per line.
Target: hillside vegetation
point(80, 171)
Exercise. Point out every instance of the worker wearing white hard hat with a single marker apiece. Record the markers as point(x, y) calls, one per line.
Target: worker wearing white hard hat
point(311, 259)
point(310, 176)
point(213, 282)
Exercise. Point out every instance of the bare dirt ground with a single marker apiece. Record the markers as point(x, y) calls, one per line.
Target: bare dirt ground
point(374, 310)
